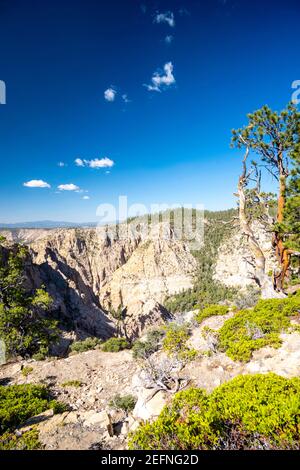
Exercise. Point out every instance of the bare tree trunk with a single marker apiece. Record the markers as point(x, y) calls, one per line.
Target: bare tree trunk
point(260, 276)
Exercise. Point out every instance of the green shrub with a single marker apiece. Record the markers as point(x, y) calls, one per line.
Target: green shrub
point(25, 327)
point(175, 341)
point(249, 412)
point(210, 311)
point(72, 383)
point(144, 349)
point(20, 402)
point(29, 440)
point(26, 371)
point(125, 403)
point(85, 345)
point(261, 326)
point(115, 345)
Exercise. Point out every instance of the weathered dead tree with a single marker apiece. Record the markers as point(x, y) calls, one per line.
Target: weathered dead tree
point(260, 276)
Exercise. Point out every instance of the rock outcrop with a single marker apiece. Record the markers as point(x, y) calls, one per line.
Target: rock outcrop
point(234, 265)
point(89, 272)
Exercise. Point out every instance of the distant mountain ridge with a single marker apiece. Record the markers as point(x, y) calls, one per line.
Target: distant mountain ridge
point(47, 224)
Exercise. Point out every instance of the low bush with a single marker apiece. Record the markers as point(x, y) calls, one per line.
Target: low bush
point(125, 403)
point(115, 345)
point(26, 371)
point(72, 383)
point(144, 349)
point(210, 311)
point(20, 402)
point(29, 440)
point(261, 326)
point(249, 412)
point(175, 342)
point(85, 345)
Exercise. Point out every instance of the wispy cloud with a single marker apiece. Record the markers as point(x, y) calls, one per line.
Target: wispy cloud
point(167, 17)
point(161, 81)
point(79, 162)
point(68, 187)
point(125, 98)
point(110, 94)
point(62, 164)
point(104, 162)
point(86, 198)
point(184, 12)
point(169, 39)
point(36, 184)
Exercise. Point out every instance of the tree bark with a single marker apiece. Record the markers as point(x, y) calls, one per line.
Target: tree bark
point(282, 253)
point(261, 278)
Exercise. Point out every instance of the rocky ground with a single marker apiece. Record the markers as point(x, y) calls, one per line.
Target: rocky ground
point(92, 424)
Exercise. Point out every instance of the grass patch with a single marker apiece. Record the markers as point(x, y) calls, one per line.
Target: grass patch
point(72, 383)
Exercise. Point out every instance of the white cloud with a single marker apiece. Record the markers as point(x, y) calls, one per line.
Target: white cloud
point(104, 162)
point(110, 94)
point(86, 197)
point(68, 187)
point(79, 162)
point(125, 98)
point(36, 184)
point(167, 17)
point(161, 81)
point(169, 39)
point(61, 164)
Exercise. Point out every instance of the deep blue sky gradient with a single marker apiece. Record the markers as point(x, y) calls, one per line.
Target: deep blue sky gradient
point(57, 58)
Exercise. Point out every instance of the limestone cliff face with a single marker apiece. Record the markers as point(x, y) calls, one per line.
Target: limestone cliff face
point(234, 266)
point(89, 271)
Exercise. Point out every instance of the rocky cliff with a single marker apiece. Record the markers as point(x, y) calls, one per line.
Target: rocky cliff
point(90, 272)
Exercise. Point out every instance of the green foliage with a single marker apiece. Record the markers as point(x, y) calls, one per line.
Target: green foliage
point(24, 326)
point(20, 402)
point(261, 326)
point(175, 342)
point(206, 290)
point(27, 371)
point(85, 345)
point(291, 223)
point(115, 345)
point(249, 412)
point(125, 403)
point(269, 132)
point(210, 311)
point(275, 138)
point(72, 383)
point(144, 349)
point(29, 440)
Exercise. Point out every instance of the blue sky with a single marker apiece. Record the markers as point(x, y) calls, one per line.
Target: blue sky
point(169, 136)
